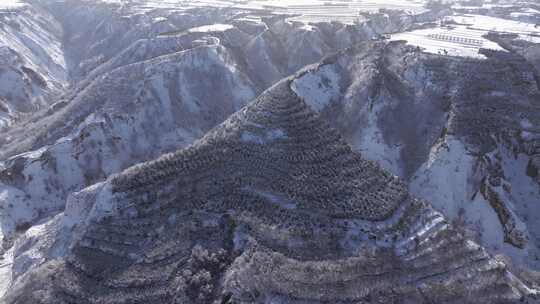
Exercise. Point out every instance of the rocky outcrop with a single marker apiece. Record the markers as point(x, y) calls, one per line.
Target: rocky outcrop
point(513, 234)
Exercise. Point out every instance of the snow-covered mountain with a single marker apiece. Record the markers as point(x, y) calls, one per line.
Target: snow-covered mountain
point(463, 132)
point(272, 205)
point(156, 95)
point(106, 85)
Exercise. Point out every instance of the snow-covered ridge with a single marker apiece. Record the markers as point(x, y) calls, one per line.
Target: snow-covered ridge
point(486, 194)
point(106, 140)
point(285, 47)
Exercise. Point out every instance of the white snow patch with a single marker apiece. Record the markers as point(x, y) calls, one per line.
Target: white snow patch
point(275, 134)
point(33, 255)
point(10, 4)
point(159, 19)
point(31, 154)
point(444, 178)
point(370, 142)
point(211, 28)
point(267, 136)
point(14, 209)
point(318, 88)
point(39, 244)
point(445, 181)
point(6, 262)
point(277, 200)
point(78, 206)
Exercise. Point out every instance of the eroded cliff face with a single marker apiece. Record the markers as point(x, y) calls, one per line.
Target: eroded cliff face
point(272, 205)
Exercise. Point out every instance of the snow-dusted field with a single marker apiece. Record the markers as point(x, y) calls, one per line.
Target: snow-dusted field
point(465, 35)
point(305, 10)
point(347, 12)
point(459, 41)
point(526, 31)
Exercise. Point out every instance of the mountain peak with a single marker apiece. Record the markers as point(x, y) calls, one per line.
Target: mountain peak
point(278, 145)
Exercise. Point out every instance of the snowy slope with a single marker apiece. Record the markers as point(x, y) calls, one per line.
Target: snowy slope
point(448, 178)
point(270, 206)
point(131, 114)
point(143, 83)
point(32, 63)
point(107, 121)
point(456, 133)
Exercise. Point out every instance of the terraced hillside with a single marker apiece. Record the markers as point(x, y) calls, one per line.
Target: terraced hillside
point(145, 85)
point(272, 205)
